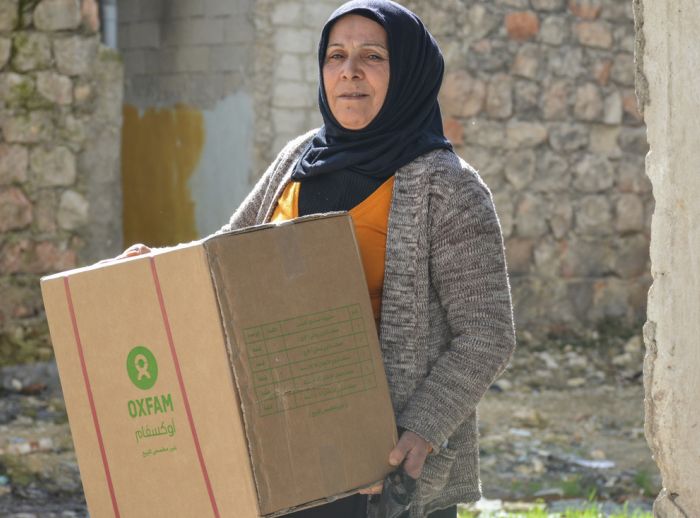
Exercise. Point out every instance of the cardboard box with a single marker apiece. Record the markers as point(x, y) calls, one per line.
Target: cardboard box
point(239, 376)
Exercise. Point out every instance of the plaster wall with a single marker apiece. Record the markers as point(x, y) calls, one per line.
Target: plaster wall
point(668, 54)
point(188, 115)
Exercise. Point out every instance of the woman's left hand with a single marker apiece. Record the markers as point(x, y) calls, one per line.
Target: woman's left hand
point(412, 450)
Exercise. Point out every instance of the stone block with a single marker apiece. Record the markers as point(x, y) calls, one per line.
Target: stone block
point(186, 59)
point(617, 11)
point(593, 173)
point(585, 258)
point(632, 256)
point(630, 108)
point(488, 56)
point(27, 128)
point(55, 87)
point(289, 120)
point(519, 255)
point(548, 5)
point(5, 46)
point(225, 7)
point(587, 9)
point(520, 168)
point(45, 209)
point(623, 70)
point(547, 256)
point(527, 97)
point(552, 173)
point(634, 140)
point(489, 164)
point(289, 67)
point(462, 95)
point(52, 166)
point(229, 58)
point(90, 15)
point(604, 141)
point(568, 137)
point(72, 210)
point(75, 55)
point(50, 258)
point(624, 38)
point(522, 25)
point(629, 211)
point(15, 209)
point(566, 61)
point(560, 218)
point(594, 34)
point(531, 216)
point(82, 93)
point(522, 134)
point(17, 90)
point(589, 103)
point(480, 132)
point(555, 104)
point(499, 97)
point(73, 131)
point(57, 15)
point(9, 14)
point(593, 215)
point(631, 175)
point(601, 71)
point(32, 51)
point(13, 163)
point(183, 8)
point(554, 30)
point(144, 35)
point(239, 29)
point(612, 108)
point(295, 41)
point(293, 95)
point(527, 61)
point(289, 13)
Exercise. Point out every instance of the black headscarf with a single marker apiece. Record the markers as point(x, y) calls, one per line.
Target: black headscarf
point(409, 122)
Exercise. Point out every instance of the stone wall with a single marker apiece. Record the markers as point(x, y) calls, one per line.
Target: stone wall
point(668, 84)
point(539, 97)
point(60, 204)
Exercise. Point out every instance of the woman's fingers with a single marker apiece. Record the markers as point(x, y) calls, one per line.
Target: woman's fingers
point(412, 450)
point(373, 490)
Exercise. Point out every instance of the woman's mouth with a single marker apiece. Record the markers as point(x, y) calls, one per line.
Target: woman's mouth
point(353, 95)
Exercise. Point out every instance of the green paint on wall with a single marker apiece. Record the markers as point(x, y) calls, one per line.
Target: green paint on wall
point(161, 148)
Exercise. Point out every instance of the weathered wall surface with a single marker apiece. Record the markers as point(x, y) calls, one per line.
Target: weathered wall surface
point(188, 115)
point(60, 203)
point(668, 83)
point(539, 96)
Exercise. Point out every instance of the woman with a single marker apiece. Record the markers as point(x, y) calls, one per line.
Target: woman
point(428, 233)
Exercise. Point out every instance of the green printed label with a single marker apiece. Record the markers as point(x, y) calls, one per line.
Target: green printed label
point(142, 368)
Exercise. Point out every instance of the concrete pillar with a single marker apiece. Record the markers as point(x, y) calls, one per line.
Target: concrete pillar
point(668, 88)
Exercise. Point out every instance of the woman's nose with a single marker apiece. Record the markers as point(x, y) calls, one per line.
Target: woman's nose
point(352, 68)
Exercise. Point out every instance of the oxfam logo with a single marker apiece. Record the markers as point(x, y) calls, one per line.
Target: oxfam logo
point(142, 368)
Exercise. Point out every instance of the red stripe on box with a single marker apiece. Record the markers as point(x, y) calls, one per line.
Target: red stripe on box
point(166, 323)
point(88, 388)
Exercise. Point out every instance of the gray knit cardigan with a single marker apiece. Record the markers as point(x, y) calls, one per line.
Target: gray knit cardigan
point(446, 326)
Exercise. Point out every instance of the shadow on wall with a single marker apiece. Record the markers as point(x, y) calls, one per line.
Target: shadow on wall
point(160, 151)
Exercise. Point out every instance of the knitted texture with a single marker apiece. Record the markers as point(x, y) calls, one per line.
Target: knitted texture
point(446, 327)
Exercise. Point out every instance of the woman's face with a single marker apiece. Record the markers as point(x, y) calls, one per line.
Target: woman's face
point(356, 70)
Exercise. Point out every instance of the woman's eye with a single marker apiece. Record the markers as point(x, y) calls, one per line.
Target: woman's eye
point(335, 57)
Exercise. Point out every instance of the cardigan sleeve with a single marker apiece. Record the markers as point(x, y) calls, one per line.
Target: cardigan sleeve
point(468, 271)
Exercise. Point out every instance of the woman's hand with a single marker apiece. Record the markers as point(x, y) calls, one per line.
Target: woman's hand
point(132, 251)
point(412, 450)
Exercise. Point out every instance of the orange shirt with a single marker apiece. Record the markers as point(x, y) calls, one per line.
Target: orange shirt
point(370, 219)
